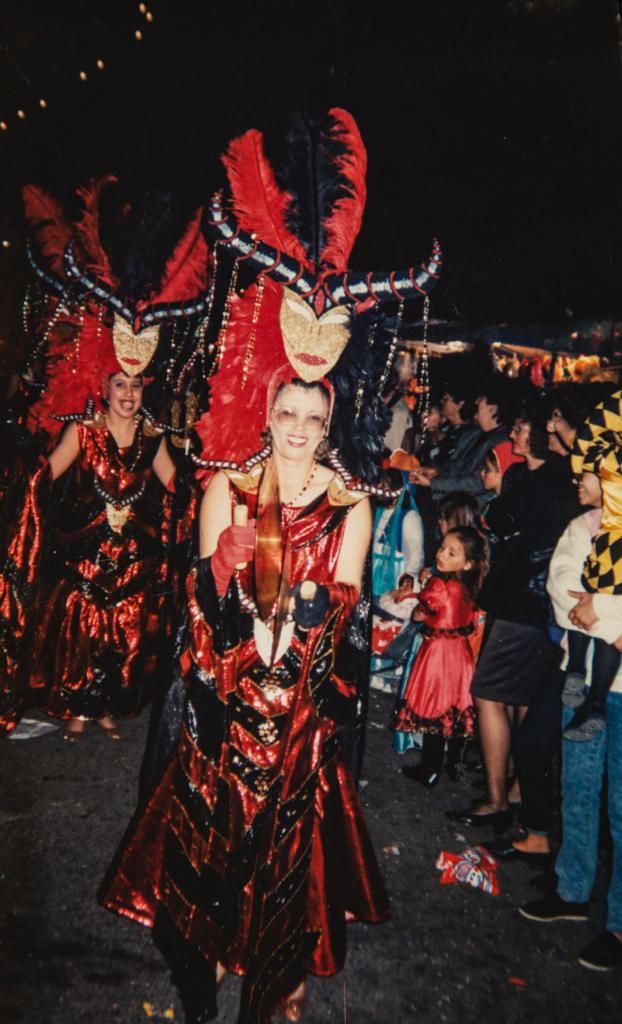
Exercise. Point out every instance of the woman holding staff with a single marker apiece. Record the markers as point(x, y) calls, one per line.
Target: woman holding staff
point(258, 849)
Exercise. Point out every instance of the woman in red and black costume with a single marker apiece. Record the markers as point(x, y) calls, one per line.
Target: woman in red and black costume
point(252, 852)
point(86, 594)
point(99, 638)
point(88, 587)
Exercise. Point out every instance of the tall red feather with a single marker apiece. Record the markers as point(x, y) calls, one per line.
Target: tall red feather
point(185, 272)
point(87, 231)
point(49, 226)
point(344, 223)
point(232, 426)
point(75, 367)
point(258, 202)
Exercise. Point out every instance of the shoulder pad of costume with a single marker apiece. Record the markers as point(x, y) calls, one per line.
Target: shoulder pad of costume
point(96, 422)
point(340, 493)
point(152, 429)
point(245, 480)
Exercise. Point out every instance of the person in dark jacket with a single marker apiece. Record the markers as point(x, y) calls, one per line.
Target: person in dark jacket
point(518, 662)
point(474, 428)
point(452, 470)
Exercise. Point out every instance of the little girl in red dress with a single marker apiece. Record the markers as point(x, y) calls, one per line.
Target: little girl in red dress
point(437, 697)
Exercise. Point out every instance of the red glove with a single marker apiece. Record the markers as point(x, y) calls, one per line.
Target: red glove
point(236, 545)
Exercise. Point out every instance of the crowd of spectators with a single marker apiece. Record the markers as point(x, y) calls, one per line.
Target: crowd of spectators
point(504, 447)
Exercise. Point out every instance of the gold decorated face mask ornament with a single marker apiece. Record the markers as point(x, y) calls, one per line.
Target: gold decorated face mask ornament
point(134, 352)
point(313, 343)
point(117, 517)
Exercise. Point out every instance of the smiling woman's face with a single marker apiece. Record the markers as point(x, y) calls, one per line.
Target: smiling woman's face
point(298, 421)
point(125, 394)
point(590, 492)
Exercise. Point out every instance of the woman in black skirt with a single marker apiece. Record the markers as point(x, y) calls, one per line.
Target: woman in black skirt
point(518, 660)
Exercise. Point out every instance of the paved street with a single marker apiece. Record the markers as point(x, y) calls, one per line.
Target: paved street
point(449, 954)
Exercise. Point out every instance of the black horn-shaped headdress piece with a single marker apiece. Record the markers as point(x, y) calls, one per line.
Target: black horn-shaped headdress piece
point(350, 287)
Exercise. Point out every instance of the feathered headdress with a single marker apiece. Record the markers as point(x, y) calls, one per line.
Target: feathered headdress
point(94, 320)
point(293, 228)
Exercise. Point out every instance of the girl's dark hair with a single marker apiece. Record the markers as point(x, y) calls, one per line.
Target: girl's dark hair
point(459, 509)
point(475, 550)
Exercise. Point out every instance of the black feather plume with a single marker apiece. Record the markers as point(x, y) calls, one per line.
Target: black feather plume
point(139, 232)
point(307, 170)
point(360, 418)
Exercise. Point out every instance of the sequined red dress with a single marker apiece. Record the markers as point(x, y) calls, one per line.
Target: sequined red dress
point(86, 593)
point(253, 846)
point(437, 694)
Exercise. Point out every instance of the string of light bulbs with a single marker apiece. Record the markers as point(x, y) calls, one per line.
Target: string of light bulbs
point(84, 74)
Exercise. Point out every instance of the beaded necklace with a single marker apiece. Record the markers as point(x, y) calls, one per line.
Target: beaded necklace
point(120, 451)
point(306, 486)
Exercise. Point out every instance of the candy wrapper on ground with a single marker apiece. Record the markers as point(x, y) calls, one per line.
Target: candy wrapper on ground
point(474, 866)
point(383, 633)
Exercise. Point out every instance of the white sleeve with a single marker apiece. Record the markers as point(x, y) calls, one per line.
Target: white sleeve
point(412, 543)
point(565, 571)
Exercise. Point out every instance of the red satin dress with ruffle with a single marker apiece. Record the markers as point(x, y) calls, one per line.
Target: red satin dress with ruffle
point(437, 695)
point(253, 847)
point(101, 623)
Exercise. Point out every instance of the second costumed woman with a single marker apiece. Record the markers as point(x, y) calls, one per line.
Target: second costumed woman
point(87, 589)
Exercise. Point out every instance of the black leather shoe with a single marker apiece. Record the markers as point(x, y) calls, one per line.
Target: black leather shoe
point(499, 820)
point(504, 849)
point(426, 776)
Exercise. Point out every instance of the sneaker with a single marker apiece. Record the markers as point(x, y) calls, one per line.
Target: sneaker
point(604, 953)
point(554, 908)
point(583, 731)
point(573, 693)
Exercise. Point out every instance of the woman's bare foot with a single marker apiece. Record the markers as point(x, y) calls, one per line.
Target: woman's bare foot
point(108, 725)
point(74, 727)
point(292, 1007)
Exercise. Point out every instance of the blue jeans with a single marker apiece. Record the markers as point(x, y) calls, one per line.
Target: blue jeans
point(583, 770)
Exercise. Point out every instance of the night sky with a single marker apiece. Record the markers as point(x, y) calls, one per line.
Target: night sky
point(495, 126)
